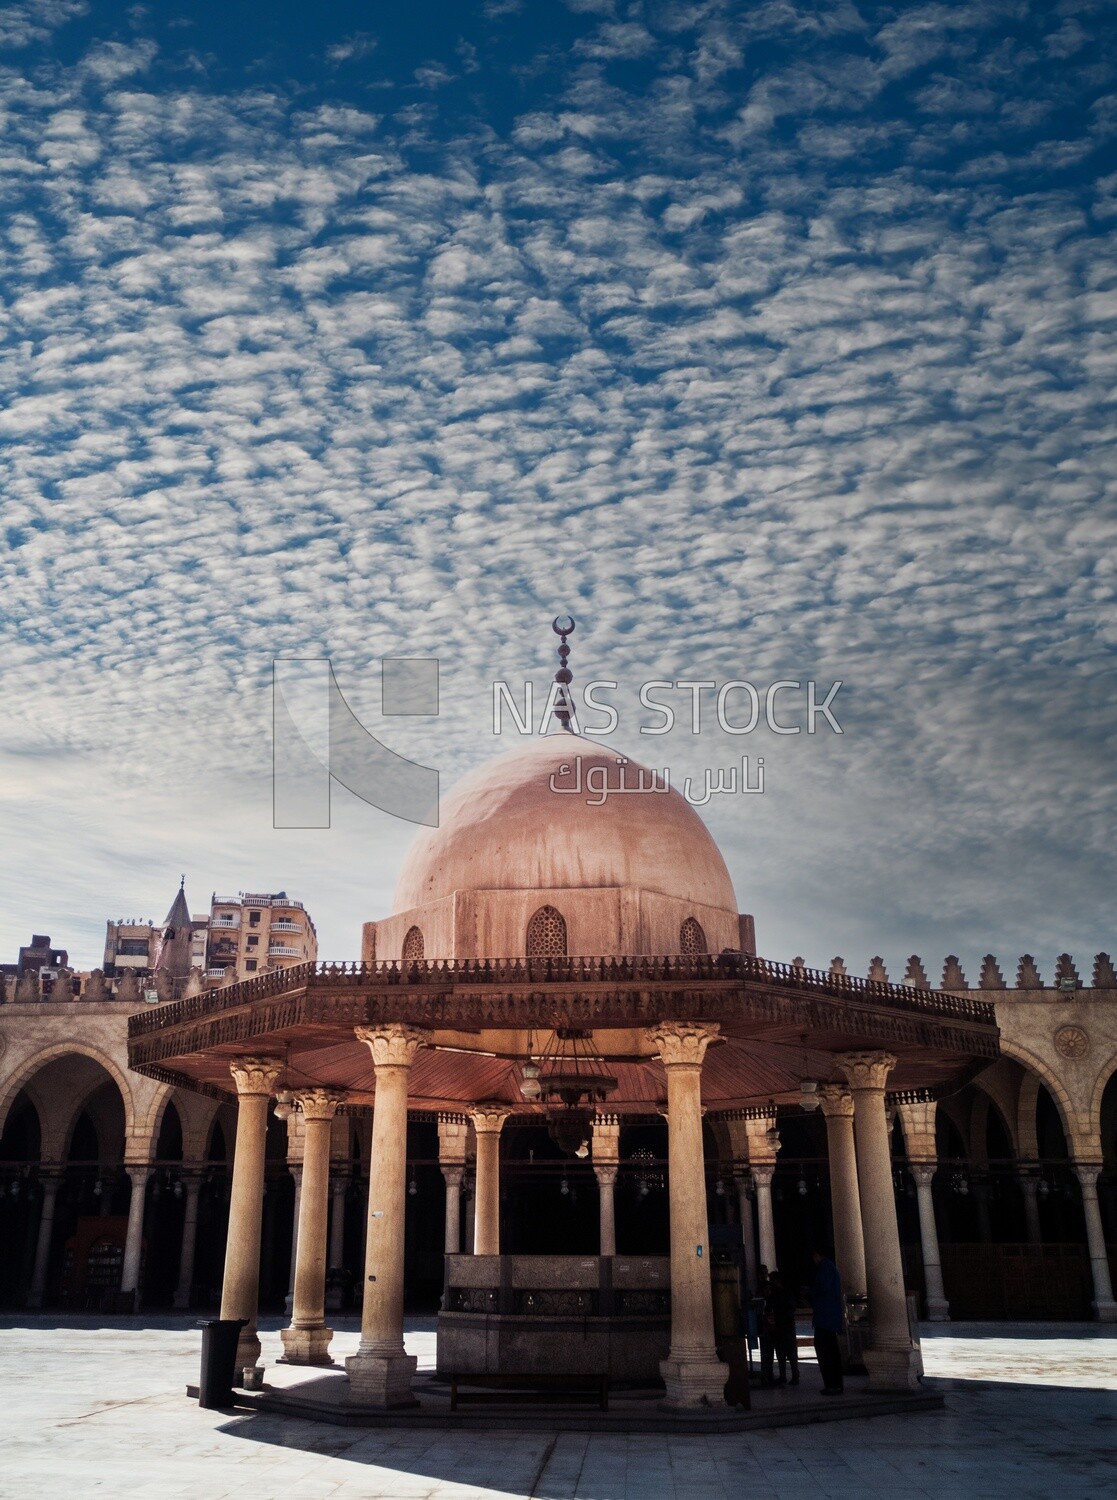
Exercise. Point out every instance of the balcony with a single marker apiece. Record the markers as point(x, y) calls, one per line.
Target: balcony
point(215, 973)
point(283, 950)
point(284, 924)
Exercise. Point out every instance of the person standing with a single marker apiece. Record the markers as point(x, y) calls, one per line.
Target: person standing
point(783, 1331)
point(766, 1324)
point(827, 1311)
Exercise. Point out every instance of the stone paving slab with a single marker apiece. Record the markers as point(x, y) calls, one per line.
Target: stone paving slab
point(92, 1409)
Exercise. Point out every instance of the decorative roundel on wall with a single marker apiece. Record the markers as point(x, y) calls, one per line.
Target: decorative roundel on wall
point(1072, 1042)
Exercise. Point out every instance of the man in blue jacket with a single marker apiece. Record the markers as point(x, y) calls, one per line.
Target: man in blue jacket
point(828, 1309)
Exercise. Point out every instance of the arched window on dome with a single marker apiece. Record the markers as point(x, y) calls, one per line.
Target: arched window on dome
point(413, 946)
point(546, 934)
point(691, 937)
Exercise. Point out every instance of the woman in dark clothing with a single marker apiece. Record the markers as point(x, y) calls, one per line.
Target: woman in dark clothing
point(827, 1309)
point(783, 1329)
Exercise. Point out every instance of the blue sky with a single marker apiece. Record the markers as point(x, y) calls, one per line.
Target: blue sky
point(772, 340)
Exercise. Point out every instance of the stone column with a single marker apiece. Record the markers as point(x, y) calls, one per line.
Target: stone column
point(836, 1102)
point(240, 1293)
point(307, 1340)
point(1105, 1309)
point(606, 1161)
point(692, 1372)
point(453, 1137)
point(1029, 1186)
point(892, 1361)
point(193, 1189)
point(133, 1241)
point(337, 1216)
point(469, 1207)
point(488, 1121)
point(748, 1230)
point(762, 1174)
point(38, 1287)
point(380, 1372)
point(296, 1170)
point(938, 1309)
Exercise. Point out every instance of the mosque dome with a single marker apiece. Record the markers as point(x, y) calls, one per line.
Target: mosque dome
point(504, 827)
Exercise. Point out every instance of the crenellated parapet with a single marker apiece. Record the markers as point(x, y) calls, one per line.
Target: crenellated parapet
point(1067, 976)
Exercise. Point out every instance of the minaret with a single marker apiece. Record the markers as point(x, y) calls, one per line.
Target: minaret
point(173, 954)
point(563, 625)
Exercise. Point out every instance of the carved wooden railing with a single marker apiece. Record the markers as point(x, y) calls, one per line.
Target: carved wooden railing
point(730, 968)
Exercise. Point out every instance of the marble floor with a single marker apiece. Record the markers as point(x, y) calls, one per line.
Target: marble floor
point(97, 1409)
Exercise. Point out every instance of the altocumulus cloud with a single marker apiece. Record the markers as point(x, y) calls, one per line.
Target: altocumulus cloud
point(773, 341)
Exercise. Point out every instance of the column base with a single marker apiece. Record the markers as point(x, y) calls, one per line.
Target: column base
point(1105, 1312)
point(699, 1381)
point(895, 1369)
point(938, 1310)
point(306, 1346)
point(248, 1352)
point(381, 1380)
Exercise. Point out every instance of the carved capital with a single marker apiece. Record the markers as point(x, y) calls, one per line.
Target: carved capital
point(866, 1070)
point(393, 1045)
point(489, 1116)
point(923, 1172)
point(1088, 1173)
point(762, 1174)
point(683, 1043)
point(452, 1173)
point(319, 1104)
point(835, 1101)
point(255, 1076)
point(605, 1172)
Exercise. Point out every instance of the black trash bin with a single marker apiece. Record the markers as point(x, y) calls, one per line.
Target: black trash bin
point(219, 1360)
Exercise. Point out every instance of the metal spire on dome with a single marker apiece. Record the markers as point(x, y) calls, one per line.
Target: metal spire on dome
point(564, 625)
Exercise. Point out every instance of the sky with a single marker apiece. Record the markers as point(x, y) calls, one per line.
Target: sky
point(770, 340)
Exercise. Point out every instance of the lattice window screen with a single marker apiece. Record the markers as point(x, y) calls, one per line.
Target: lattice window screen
point(413, 946)
point(691, 937)
point(546, 934)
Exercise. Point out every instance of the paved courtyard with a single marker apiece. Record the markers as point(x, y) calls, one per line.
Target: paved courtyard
point(98, 1409)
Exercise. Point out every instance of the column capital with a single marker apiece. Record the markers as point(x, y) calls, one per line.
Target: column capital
point(866, 1070)
point(392, 1045)
point(835, 1101)
point(489, 1116)
point(605, 1172)
point(683, 1043)
point(139, 1171)
point(763, 1172)
point(255, 1076)
point(453, 1172)
point(1088, 1172)
point(319, 1103)
point(923, 1172)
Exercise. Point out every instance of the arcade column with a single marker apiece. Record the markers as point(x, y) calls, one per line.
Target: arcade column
point(240, 1293)
point(307, 1340)
point(692, 1372)
point(380, 1372)
point(488, 1120)
point(892, 1359)
point(836, 1102)
point(1105, 1309)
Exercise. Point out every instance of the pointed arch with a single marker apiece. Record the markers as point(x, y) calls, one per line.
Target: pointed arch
point(546, 934)
point(1072, 1124)
point(38, 1060)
